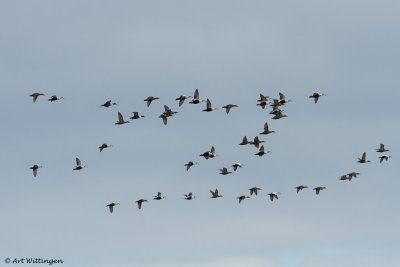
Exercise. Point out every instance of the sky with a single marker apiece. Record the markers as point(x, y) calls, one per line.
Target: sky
point(92, 51)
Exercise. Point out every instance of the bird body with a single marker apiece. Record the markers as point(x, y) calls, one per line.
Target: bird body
point(209, 154)
point(362, 159)
point(236, 165)
point(244, 141)
point(103, 146)
point(300, 187)
point(273, 195)
point(159, 196)
point(189, 196)
point(318, 189)
point(256, 142)
point(384, 157)
point(150, 99)
point(190, 164)
point(262, 152)
point(35, 96)
point(316, 96)
point(136, 116)
point(55, 98)
point(266, 129)
point(241, 198)
point(381, 149)
point(196, 99)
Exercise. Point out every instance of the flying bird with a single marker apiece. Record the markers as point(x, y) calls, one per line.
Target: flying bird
point(103, 146)
point(136, 116)
point(278, 115)
point(35, 96)
point(318, 189)
point(300, 187)
point(236, 165)
point(182, 99)
point(150, 99)
point(266, 129)
point(215, 194)
point(159, 196)
point(362, 159)
point(79, 165)
point(208, 107)
point(261, 152)
point(55, 98)
point(244, 141)
point(273, 195)
point(241, 198)
point(121, 119)
point(209, 154)
point(35, 168)
point(381, 149)
point(108, 104)
point(111, 206)
point(224, 171)
point(228, 107)
point(254, 190)
point(283, 100)
point(316, 96)
point(256, 142)
point(384, 157)
point(190, 164)
point(189, 196)
point(196, 99)
point(140, 201)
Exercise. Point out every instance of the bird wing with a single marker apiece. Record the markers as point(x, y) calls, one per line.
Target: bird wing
point(316, 99)
point(228, 108)
point(363, 156)
point(196, 94)
point(380, 161)
point(136, 114)
point(281, 96)
point(262, 149)
point(166, 108)
point(78, 162)
point(164, 118)
point(139, 203)
point(181, 101)
point(120, 118)
point(208, 104)
point(34, 172)
point(271, 196)
point(240, 199)
point(266, 127)
point(35, 96)
point(382, 147)
point(111, 208)
point(212, 149)
point(235, 167)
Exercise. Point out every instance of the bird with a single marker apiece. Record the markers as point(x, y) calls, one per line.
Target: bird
point(241, 198)
point(381, 149)
point(276, 103)
point(300, 187)
point(256, 142)
point(103, 146)
point(159, 196)
point(35, 168)
point(209, 154)
point(189, 196)
point(121, 119)
point(215, 194)
point(278, 115)
point(345, 177)
point(254, 190)
point(196, 99)
point(108, 104)
point(150, 99)
point(136, 116)
point(244, 141)
point(264, 101)
point(168, 112)
point(353, 174)
point(384, 157)
point(35, 96)
point(140, 201)
point(182, 99)
point(111, 206)
point(224, 171)
point(283, 100)
point(164, 117)
point(55, 98)
point(190, 164)
point(316, 96)
point(208, 107)
point(273, 195)
point(236, 165)
point(362, 159)
point(261, 152)
point(228, 107)
point(319, 188)
point(275, 110)
point(79, 165)
point(266, 129)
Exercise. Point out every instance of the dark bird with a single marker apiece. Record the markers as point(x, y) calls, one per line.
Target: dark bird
point(264, 101)
point(273, 195)
point(228, 107)
point(103, 146)
point(300, 187)
point(182, 99)
point(224, 171)
point(35, 96)
point(140, 201)
point(381, 149)
point(108, 104)
point(111, 206)
point(316, 96)
point(283, 100)
point(150, 99)
point(266, 129)
point(242, 198)
point(35, 168)
point(278, 115)
point(384, 157)
point(189, 196)
point(190, 164)
point(121, 119)
point(55, 98)
point(136, 116)
point(215, 194)
point(254, 190)
point(208, 107)
point(79, 165)
point(261, 152)
point(319, 188)
point(244, 141)
point(196, 99)
point(209, 154)
point(256, 142)
point(362, 159)
point(159, 196)
point(236, 165)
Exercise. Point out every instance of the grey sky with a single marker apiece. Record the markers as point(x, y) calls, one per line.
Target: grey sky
point(232, 51)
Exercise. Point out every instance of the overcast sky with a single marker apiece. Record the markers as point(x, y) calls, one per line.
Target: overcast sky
point(92, 51)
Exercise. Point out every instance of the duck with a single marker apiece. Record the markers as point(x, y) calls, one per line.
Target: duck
point(256, 142)
point(318, 189)
point(215, 194)
point(237, 165)
point(140, 201)
point(254, 190)
point(164, 117)
point(182, 99)
point(121, 119)
point(241, 198)
point(300, 187)
point(111, 206)
point(189, 196)
point(109, 103)
point(345, 177)
point(224, 171)
point(159, 196)
point(228, 107)
point(78, 165)
point(266, 129)
point(150, 99)
point(353, 174)
point(384, 157)
point(261, 152)
point(190, 164)
point(35, 168)
point(278, 115)
point(103, 146)
point(283, 100)
point(244, 141)
point(208, 107)
point(381, 149)
point(168, 112)
point(136, 116)
point(209, 154)
point(264, 101)
point(273, 195)
point(362, 159)
point(196, 99)
point(35, 96)
point(55, 98)
point(275, 103)
point(316, 96)
point(275, 110)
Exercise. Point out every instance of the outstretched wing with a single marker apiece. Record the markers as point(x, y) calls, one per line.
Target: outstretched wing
point(208, 104)
point(120, 118)
point(111, 207)
point(281, 96)
point(78, 162)
point(181, 101)
point(196, 94)
point(35, 172)
point(266, 128)
point(262, 149)
point(212, 149)
point(363, 156)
